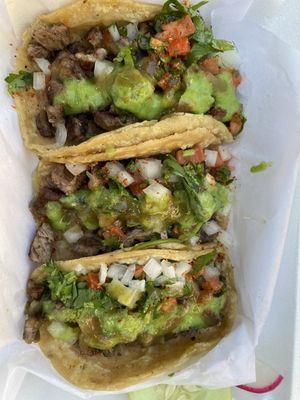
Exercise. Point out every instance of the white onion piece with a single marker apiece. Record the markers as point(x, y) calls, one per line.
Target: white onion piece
point(182, 268)
point(43, 65)
point(39, 81)
point(76, 169)
point(116, 271)
point(102, 68)
point(164, 235)
point(60, 134)
point(156, 190)
point(152, 269)
point(149, 168)
point(80, 269)
point(127, 277)
point(210, 157)
point(132, 31)
point(102, 273)
point(139, 284)
point(114, 168)
point(211, 228)
point(231, 58)
point(225, 238)
point(125, 178)
point(168, 270)
point(113, 30)
point(101, 53)
point(194, 240)
point(210, 271)
point(73, 234)
point(224, 153)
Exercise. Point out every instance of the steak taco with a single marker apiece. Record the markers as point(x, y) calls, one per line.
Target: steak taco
point(110, 321)
point(99, 65)
point(153, 197)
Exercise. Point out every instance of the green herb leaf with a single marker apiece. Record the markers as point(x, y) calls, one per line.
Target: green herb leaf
point(223, 175)
point(203, 260)
point(18, 82)
point(125, 56)
point(144, 41)
point(261, 166)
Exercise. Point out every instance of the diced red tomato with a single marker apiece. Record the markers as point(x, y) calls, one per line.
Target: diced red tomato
point(137, 186)
point(196, 158)
point(213, 284)
point(138, 271)
point(219, 161)
point(235, 124)
point(177, 29)
point(164, 81)
point(168, 304)
point(93, 281)
point(179, 47)
point(115, 231)
point(204, 297)
point(211, 65)
point(236, 78)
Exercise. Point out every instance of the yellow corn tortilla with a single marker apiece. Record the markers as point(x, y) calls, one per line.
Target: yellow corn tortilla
point(135, 363)
point(79, 17)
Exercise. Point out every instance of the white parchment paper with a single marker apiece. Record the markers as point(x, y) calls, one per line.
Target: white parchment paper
point(260, 213)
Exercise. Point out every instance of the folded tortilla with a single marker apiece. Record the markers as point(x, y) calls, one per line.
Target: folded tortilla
point(79, 18)
point(135, 363)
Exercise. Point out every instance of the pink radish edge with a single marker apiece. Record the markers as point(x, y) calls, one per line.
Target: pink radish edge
point(264, 389)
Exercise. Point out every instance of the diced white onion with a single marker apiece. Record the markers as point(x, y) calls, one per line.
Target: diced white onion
point(152, 269)
point(125, 178)
point(231, 58)
point(156, 190)
point(161, 280)
point(127, 277)
point(149, 168)
point(44, 65)
point(39, 81)
point(102, 273)
point(225, 238)
point(113, 30)
point(211, 228)
point(210, 157)
point(80, 269)
point(139, 284)
point(182, 268)
point(114, 168)
point(132, 31)
point(210, 271)
point(102, 68)
point(194, 240)
point(164, 235)
point(76, 169)
point(168, 270)
point(73, 234)
point(224, 153)
point(101, 53)
point(116, 271)
point(61, 134)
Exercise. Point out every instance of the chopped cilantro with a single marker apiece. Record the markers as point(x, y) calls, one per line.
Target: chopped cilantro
point(18, 82)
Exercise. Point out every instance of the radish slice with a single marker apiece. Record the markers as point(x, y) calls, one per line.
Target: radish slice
point(266, 381)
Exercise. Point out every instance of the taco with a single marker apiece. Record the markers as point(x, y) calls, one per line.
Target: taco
point(100, 65)
point(114, 320)
point(87, 205)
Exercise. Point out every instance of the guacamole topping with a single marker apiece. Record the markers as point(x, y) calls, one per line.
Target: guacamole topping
point(124, 303)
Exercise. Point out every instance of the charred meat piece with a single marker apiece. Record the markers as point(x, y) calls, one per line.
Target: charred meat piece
point(37, 205)
point(52, 37)
point(64, 180)
point(42, 244)
point(31, 330)
point(88, 245)
point(34, 290)
point(86, 61)
point(81, 46)
point(80, 128)
point(66, 66)
point(53, 88)
point(55, 114)
point(35, 50)
point(136, 236)
point(107, 120)
point(95, 37)
point(218, 113)
point(43, 125)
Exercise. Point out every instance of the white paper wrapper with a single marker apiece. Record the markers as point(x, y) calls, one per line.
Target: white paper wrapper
point(260, 214)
